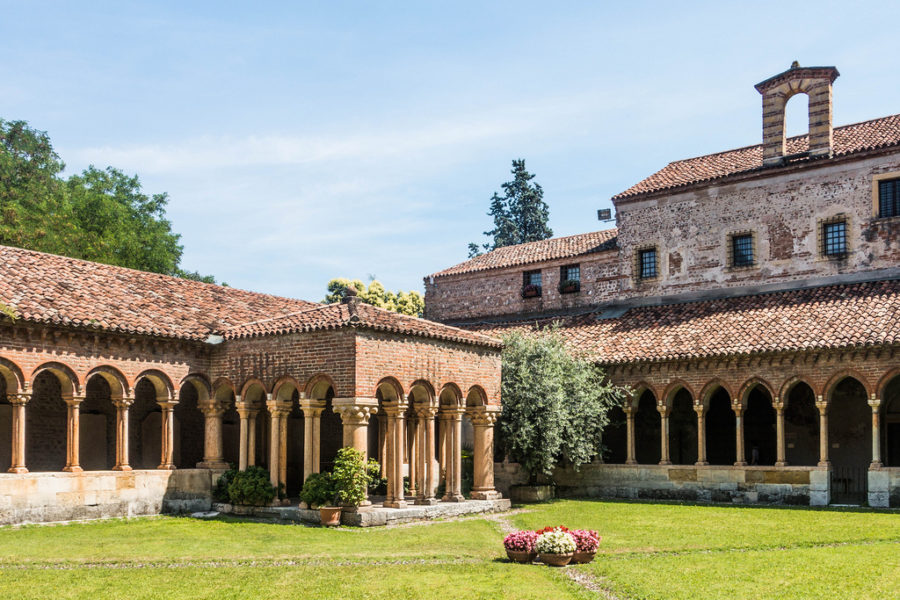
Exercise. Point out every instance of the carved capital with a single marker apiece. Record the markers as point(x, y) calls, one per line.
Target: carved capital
point(212, 410)
point(426, 412)
point(74, 400)
point(123, 403)
point(19, 399)
point(875, 403)
point(355, 411)
point(167, 405)
point(485, 417)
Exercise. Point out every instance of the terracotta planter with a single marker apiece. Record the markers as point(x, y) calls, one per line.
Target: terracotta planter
point(555, 560)
point(330, 516)
point(521, 556)
point(523, 494)
point(580, 558)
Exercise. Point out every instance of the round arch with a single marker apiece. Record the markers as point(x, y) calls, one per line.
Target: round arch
point(390, 390)
point(421, 392)
point(115, 379)
point(254, 390)
point(161, 382)
point(12, 375)
point(450, 396)
point(68, 380)
point(318, 385)
point(476, 396)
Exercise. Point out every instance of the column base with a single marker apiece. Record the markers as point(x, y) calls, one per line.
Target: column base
point(395, 504)
point(826, 464)
point(73, 469)
point(701, 464)
point(18, 470)
point(876, 465)
point(169, 467)
point(212, 464)
point(122, 468)
point(740, 463)
point(781, 464)
point(631, 462)
point(454, 498)
point(426, 501)
point(486, 495)
point(665, 462)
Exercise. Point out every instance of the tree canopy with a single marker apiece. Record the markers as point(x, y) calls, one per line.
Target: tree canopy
point(520, 215)
point(101, 215)
point(555, 403)
point(407, 303)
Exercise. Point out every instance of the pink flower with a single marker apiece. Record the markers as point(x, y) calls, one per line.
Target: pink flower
point(520, 541)
point(585, 540)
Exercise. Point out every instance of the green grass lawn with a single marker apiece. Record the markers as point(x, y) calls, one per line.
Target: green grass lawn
point(648, 551)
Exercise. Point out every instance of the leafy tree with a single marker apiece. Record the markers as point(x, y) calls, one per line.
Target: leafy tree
point(100, 214)
point(520, 215)
point(407, 303)
point(555, 404)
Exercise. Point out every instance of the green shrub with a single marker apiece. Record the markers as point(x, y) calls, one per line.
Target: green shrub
point(220, 492)
point(251, 487)
point(350, 477)
point(318, 490)
point(377, 483)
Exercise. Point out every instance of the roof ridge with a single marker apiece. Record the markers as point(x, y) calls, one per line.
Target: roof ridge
point(278, 317)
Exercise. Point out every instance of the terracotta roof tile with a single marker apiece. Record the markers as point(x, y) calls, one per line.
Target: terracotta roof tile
point(358, 314)
point(58, 290)
point(532, 252)
point(849, 139)
point(839, 316)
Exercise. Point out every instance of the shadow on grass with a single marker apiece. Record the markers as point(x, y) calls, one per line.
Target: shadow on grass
point(650, 502)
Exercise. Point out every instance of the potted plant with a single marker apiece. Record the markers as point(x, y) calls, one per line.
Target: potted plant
point(531, 291)
point(318, 492)
point(555, 547)
point(586, 544)
point(569, 286)
point(350, 478)
point(250, 488)
point(520, 546)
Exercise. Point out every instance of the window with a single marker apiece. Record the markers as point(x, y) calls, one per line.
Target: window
point(834, 238)
point(647, 263)
point(569, 279)
point(742, 250)
point(531, 284)
point(889, 198)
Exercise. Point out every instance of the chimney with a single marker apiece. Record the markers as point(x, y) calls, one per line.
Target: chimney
point(815, 82)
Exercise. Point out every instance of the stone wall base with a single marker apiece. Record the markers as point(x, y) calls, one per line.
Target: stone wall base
point(46, 497)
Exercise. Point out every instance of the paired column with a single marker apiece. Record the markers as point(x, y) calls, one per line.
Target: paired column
point(251, 437)
point(396, 433)
point(779, 433)
point(73, 462)
point(412, 439)
point(277, 414)
point(312, 431)
point(18, 401)
point(700, 409)
point(823, 432)
point(426, 471)
point(740, 458)
point(875, 403)
point(122, 405)
point(213, 456)
point(664, 412)
point(629, 435)
point(453, 427)
point(168, 434)
point(244, 441)
point(483, 421)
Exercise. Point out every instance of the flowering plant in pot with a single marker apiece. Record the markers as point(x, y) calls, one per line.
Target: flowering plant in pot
point(569, 286)
point(586, 543)
point(555, 548)
point(531, 291)
point(520, 546)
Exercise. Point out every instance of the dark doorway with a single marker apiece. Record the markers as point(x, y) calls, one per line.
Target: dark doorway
point(45, 425)
point(683, 429)
point(801, 427)
point(190, 428)
point(720, 430)
point(849, 441)
point(890, 454)
point(97, 433)
point(647, 427)
point(759, 428)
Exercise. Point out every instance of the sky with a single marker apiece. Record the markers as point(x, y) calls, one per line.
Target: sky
point(299, 142)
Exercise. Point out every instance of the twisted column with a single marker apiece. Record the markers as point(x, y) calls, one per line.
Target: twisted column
point(122, 405)
point(483, 421)
point(73, 462)
point(18, 401)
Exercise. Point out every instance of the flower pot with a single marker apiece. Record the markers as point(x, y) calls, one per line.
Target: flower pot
point(330, 516)
point(521, 556)
point(555, 560)
point(523, 494)
point(580, 558)
point(242, 509)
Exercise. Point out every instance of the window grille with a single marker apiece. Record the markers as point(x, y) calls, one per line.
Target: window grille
point(889, 198)
point(648, 263)
point(834, 236)
point(742, 250)
point(571, 273)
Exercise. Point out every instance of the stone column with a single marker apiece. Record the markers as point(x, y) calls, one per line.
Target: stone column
point(122, 406)
point(413, 457)
point(779, 433)
point(701, 434)
point(740, 458)
point(396, 433)
point(382, 443)
point(282, 445)
point(442, 451)
point(483, 421)
point(425, 430)
point(275, 414)
point(213, 455)
point(312, 427)
point(823, 432)
point(875, 403)
point(18, 401)
point(629, 435)
point(455, 458)
point(168, 434)
point(73, 412)
point(243, 449)
point(355, 414)
point(251, 437)
point(664, 434)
